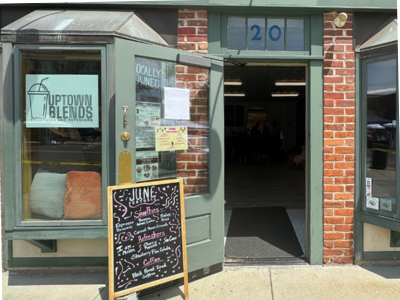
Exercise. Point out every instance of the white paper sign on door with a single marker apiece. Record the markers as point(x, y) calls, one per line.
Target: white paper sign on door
point(176, 103)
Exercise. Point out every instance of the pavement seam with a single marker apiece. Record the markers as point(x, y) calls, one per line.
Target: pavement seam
point(270, 283)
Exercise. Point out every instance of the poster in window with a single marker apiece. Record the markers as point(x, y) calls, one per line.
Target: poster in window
point(169, 138)
point(146, 165)
point(62, 101)
point(148, 114)
point(145, 138)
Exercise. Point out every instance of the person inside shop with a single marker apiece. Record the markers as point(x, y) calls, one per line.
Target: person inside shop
point(255, 130)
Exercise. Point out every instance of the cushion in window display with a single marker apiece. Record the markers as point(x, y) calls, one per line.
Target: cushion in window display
point(82, 195)
point(47, 194)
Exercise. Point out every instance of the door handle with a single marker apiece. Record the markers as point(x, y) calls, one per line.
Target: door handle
point(125, 120)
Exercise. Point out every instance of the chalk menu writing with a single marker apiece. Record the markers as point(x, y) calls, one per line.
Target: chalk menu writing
point(147, 237)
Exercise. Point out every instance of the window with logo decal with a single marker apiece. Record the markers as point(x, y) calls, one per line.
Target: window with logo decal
point(61, 135)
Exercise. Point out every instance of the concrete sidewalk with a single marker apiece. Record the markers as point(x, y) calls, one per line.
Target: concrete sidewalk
point(375, 282)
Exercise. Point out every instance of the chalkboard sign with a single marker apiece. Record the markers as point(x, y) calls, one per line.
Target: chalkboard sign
point(146, 236)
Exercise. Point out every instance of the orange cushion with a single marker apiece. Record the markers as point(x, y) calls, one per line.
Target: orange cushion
point(83, 196)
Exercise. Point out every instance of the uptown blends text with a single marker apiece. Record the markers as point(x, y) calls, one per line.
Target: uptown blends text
point(70, 106)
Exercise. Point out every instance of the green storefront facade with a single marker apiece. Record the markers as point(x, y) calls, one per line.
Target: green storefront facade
point(126, 56)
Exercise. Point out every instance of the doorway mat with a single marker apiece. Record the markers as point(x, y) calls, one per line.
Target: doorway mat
point(261, 233)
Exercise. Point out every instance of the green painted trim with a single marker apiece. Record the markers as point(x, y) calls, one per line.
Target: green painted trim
point(214, 33)
point(358, 225)
point(378, 220)
point(358, 240)
point(382, 255)
point(314, 168)
point(48, 233)
point(282, 4)
point(58, 261)
point(316, 35)
point(7, 138)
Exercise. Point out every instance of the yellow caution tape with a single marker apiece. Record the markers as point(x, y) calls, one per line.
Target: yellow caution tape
point(74, 163)
point(383, 150)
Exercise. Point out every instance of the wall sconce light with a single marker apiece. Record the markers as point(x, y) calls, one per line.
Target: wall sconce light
point(340, 20)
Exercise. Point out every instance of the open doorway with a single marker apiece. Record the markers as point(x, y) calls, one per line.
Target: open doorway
point(265, 108)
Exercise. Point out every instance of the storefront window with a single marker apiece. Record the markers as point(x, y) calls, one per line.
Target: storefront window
point(381, 139)
point(172, 136)
point(61, 135)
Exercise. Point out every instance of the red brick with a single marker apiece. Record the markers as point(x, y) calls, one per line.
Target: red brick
point(343, 196)
point(344, 260)
point(344, 150)
point(328, 212)
point(344, 165)
point(335, 142)
point(332, 251)
point(186, 30)
point(328, 227)
point(344, 227)
point(344, 212)
point(345, 72)
point(334, 95)
point(197, 23)
point(344, 87)
point(333, 236)
point(186, 15)
point(334, 220)
point(344, 180)
point(333, 204)
point(334, 157)
point(197, 181)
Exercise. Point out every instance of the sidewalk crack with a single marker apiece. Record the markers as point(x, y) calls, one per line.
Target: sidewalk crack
point(270, 284)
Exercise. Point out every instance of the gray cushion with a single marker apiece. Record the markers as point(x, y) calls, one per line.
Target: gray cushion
point(47, 194)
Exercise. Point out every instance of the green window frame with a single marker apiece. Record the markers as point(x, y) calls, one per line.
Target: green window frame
point(365, 213)
point(15, 226)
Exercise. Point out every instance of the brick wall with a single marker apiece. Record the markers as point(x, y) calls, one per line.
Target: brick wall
point(339, 126)
point(192, 164)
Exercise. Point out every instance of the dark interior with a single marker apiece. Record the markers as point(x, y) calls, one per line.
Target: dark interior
point(265, 163)
point(265, 135)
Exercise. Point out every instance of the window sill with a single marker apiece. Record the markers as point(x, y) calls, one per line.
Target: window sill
point(52, 233)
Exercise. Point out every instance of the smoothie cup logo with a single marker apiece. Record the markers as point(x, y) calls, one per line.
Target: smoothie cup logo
point(38, 98)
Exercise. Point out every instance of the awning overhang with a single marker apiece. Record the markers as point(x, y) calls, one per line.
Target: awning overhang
point(383, 41)
point(79, 26)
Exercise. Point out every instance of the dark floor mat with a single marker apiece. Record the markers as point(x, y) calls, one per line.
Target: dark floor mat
point(261, 232)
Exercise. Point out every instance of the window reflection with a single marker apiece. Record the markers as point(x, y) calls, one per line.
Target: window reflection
point(180, 131)
point(381, 136)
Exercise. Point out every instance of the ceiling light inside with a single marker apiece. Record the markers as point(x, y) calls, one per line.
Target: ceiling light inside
point(290, 83)
point(234, 95)
point(229, 82)
point(284, 94)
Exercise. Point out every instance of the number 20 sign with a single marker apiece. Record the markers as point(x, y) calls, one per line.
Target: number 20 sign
point(273, 34)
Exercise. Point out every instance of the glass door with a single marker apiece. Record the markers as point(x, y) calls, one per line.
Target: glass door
point(169, 124)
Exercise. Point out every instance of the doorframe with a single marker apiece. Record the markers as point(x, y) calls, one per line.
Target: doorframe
point(314, 150)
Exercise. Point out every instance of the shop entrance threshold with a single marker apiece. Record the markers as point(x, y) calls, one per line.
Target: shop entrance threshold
point(277, 261)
